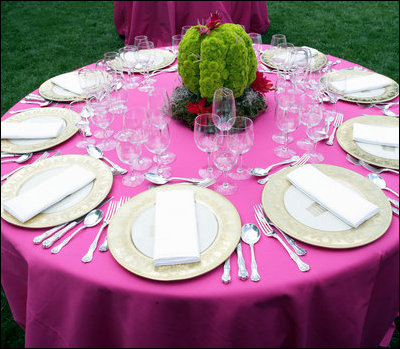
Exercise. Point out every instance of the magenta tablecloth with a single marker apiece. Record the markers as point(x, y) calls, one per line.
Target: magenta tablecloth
point(159, 20)
point(349, 298)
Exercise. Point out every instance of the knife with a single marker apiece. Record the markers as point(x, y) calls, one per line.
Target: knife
point(9, 155)
point(64, 228)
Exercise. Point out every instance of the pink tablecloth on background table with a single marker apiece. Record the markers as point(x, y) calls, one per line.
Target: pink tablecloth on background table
point(349, 298)
point(159, 20)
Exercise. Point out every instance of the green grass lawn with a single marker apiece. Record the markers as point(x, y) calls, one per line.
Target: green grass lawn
point(41, 39)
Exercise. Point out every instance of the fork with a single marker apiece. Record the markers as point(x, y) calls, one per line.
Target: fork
point(41, 104)
point(301, 161)
point(368, 166)
point(110, 213)
point(336, 123)
point(268, 231)
point(104, 246)
point(45, 155)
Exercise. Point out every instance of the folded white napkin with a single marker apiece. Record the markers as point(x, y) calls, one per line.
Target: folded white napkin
point(30, 130)
point(346, 204)
point(30, 203)
point(175, 237)
point(371, 134)
point(68, 81)
point(282, 55)
point(354, 84)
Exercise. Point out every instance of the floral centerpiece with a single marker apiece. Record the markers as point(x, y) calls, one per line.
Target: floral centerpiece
point(211, 56)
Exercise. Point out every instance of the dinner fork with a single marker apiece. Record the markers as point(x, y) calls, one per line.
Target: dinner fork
point(110, 213)
point(301, 161)
point(268, 231)
point(336, 123)
point(104, 246)
point(368, 166)
point(45, 155)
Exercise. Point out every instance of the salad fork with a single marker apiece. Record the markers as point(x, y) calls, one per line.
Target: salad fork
point(336, 123)
point(301, 161)
point(368, 166)
point(104, 246)
point(268, 231)
point(110, 213)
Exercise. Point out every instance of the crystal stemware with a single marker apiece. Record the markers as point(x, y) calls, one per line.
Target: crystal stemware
point(145, 59)
point(316, 133)
point(85, 113)
point(127, 60)
point(103, 117)
point(224, 107)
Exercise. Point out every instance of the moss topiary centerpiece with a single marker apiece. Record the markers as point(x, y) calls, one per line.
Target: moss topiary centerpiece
point(215, 55)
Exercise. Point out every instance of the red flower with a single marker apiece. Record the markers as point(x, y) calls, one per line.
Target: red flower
point(261, 84)
point(214, 21)
point(199, 107)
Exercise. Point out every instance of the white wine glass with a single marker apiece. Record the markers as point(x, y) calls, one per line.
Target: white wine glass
point(145, 60)
point(316, 133)
point(240, 142)
point(224, 107)
point(127, 60)
point(103, 117)
point(257, 43)
point(206, 137)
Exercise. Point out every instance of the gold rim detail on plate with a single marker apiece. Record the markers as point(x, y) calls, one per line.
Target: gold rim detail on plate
point(369, 231)
point(70, 117)
point(391, 91)
point(128, 256)
point(168, 58)
point(101, 187)
point(345, 138)
point(319, 60)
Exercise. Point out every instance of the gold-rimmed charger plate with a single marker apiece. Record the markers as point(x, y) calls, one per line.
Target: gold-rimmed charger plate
point(387, 94)
point(344, 136)
point(163, 58)
point(369, 231)
point(318, 60)
point(69, 116)
point(128, 255)
point(101, 187)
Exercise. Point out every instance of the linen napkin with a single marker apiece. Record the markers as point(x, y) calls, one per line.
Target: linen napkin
point(341, 201)
point(282, 55)
point(68, 81)
point(354, 84)
point(35, 200)
point(30, 130)
point(371, 134)
point(175, 237)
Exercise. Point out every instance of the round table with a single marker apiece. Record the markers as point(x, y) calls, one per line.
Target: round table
point(349, 298)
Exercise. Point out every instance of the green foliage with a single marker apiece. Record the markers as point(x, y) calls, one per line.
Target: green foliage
point(225, 57)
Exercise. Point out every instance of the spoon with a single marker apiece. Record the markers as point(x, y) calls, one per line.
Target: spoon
point(380, 182)
point(22, 158)
point(159, 179)
point(91, 219)
point(41, 104)
point(98, 154)
point(250, 235)
point(261, 172)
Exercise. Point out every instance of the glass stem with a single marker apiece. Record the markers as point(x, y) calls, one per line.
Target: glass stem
point(315, 147)
point(209, 167)
point(240, 167)
point(285, 141)
point(225, 183)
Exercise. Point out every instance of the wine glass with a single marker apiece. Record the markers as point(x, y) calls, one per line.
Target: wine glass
point(206, 136)
point(158, 141)
point(176, 39)
point(316, 133)
point(300, 62)
point(137, 119)
point(257, 42)
point(89, 81)
point(277, 39)
point(128, 60)
point(83, 124)
point(128, 151)
point(287, 119)
point(224, 107)
point(225, 159)
point(334, 85)
point(185, 28)
point(139, 38)
point(240, 141)
point(145, 59)
point(160, 113)
point(103, 117)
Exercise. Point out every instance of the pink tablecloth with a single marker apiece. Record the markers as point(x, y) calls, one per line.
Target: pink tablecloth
point(349, 298)
point(159, 20)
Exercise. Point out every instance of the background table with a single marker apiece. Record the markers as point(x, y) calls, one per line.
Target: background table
point(349, 298)
point(159, 20)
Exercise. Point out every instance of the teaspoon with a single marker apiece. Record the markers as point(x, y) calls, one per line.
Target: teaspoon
point(159, 179)
point(98, 154)
point(250, 235)
point(22, 158)
point(380, 182)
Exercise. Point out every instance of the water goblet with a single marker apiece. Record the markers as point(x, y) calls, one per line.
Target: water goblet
point(103, 117)
point(287, 119)
point(128, 152)
point(316, 133)
point(240, 141)
point(225, 159)
point(206, 137)
point(224, 107)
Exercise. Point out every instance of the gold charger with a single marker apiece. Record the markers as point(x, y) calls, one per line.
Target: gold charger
point(344, 136)
point(319, 60)
point(101, 187)
point(370, 230)
point(69, 116)
point(390, 92)
point(128, 256)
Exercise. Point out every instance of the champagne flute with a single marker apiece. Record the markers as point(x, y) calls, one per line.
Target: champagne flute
point(224, 107)
point(240, 141)
point(225, 159)
point(316, 133)
point(206, 136)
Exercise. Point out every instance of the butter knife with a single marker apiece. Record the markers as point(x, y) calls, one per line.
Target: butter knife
point(242, 273)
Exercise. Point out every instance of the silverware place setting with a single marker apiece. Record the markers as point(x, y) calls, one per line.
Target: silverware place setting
point(336, 123)
point(97, 153)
